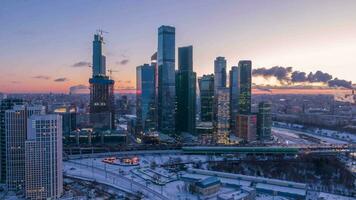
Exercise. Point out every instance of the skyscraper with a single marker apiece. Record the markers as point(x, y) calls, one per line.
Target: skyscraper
point(16, 135)
point(264, 121)
point(245, 86)
point(219, 73)
point(234, 95)
point(166, 79)
point(43, 157)
point(206, 88)
point(6, 104)
point(246, 127)
point(145, 97)
point(222, 116)
point(102, 106)
point(186, 91)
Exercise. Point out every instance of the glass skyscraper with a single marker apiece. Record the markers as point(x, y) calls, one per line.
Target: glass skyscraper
point(234, 95)
point(220, 73)
point(264, 121)
point(166, 96)
point(206, 88)
point(145, 97)
point(245, 87)
point(186, 91)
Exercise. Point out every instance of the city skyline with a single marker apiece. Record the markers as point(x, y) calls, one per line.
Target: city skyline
point(47, 52)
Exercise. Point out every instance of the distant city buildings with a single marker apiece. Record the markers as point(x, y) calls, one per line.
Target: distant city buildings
point(102, 107)
point(166, 96)
point(43, 157)
point(185, 91)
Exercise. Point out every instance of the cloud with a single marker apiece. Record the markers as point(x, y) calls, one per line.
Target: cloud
point(123, 62)
point(42, 77)
point(281, 73)
point(61, 80)
point(340, 83)
point(78, 89)
point(81, 64)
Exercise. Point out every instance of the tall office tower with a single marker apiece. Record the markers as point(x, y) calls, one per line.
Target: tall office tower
point(234, 96)
point(145, 98)
point(206, 88)
point(186, 91)
point(219, 73)
point(264, 121)
point(6, 104)
point(69, 119)
point(166, 96)
point(16, 134)
point(245, 86)
point(102, 106)
point(222, 116)
point(246, 127)
point(43, 157)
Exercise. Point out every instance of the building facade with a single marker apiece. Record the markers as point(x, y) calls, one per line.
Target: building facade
point(219, 73)
point(206, 88)
point(166, 88)
point(245, 86)
point(102, 100)
point(5, 104)
point(234, 95)
point(43, 157)
point(222, 116)
point(186, 91)
point(145, 98)
point(16, 135)
point(246, 127)
point(264, 121)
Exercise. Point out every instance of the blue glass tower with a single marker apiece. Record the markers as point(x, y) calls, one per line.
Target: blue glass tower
point(245, 86)
point(166, 79)
point(234, 95)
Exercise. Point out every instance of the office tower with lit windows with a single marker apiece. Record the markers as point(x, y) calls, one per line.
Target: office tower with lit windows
point(222, 116)
point(43, 157)
point(145, 98)
point(16, 135)
point(245, 86)
point(102, 102)
point(186, 91)
point(166, 88)
point(5, 104)
point(264, 121)
point(234, 95)
point(206, 88)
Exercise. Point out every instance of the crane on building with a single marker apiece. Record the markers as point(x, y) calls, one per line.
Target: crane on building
point(111, 71)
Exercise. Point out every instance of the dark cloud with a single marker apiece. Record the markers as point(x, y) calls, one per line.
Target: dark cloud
point(78, 89)
point(298, 76)
point(287, 75)
point(281, 73)
point(41, 77)
point(61, 80)
point(123, 62)
point(81, 64)
point(340, 83)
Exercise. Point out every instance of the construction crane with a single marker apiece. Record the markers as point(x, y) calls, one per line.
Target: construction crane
point(100, 31)
point(111, 71)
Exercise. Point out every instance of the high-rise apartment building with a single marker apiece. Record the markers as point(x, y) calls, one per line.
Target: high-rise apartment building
point(206, 88)
point(246, 127)
point(186, 91)
point(234, 95)
point(145, 97)
point(245, 86)
point(43, 157)
point(264, 121)
point(5, 104)
point(16, 135)
point(166, 91)
point(102, 102)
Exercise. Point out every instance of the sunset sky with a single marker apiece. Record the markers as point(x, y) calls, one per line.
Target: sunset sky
point(41, 41)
